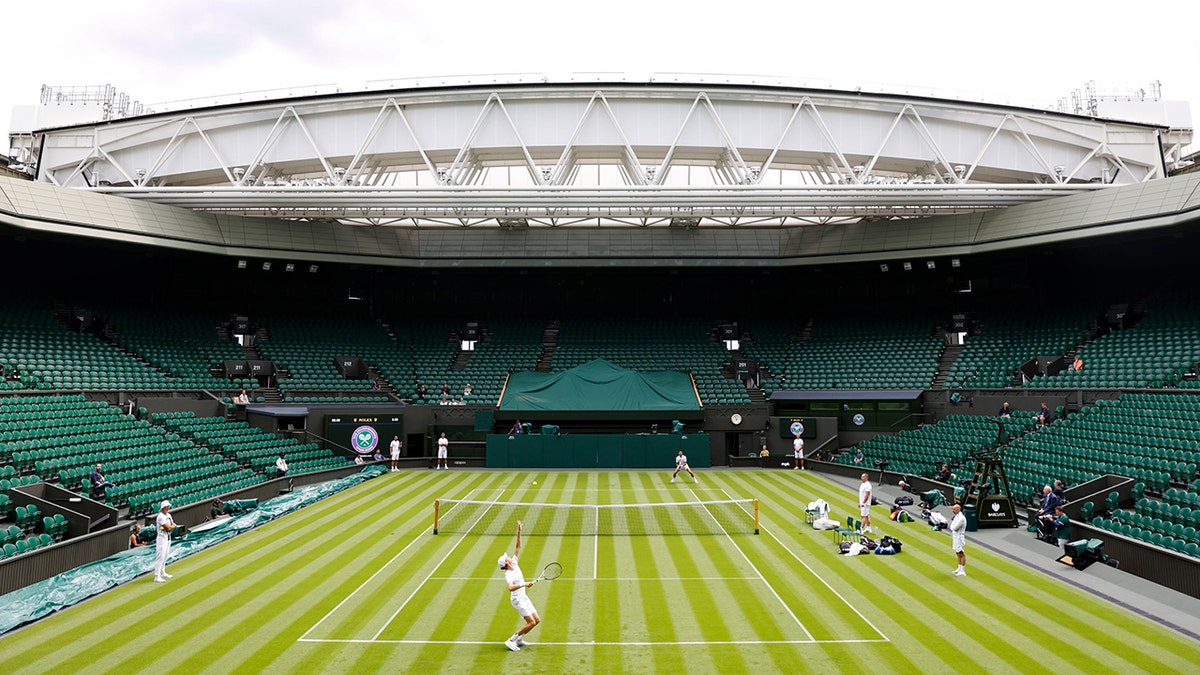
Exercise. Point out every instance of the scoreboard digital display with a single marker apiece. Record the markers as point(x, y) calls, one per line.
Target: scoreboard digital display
point(365, 435)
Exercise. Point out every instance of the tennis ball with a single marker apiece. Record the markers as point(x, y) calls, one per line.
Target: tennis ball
point(535, 482)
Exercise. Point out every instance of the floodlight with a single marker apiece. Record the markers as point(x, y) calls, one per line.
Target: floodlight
point(883, 267)
point(312, 269)
point(241, 264)
point(907, 267)
point(290, 267)
point(955, 262)
point(266, 265)
point(929, 265)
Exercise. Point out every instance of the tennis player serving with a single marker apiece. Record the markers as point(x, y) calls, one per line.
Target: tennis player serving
point(515, 580)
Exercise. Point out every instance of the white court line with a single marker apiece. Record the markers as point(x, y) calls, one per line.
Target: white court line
point(426, 580)
point(826, 583)
point(591, 644)
point(370, 578)
point(755, 568)
point(609, 579)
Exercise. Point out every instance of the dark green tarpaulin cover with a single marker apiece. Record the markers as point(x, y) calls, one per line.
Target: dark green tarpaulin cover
point(600, 386)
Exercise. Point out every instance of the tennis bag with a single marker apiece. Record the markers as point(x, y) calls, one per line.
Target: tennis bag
point(843, 548)
point(890, 542)
point(904, 501)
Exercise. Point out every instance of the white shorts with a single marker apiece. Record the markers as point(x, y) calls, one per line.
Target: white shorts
point(395, 456)
point(864, 510)
point(682, 467)
point(441, 453)
point(958, 542)
point(524, 606)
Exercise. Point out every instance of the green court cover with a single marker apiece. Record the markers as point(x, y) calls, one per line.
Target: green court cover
point(600, 386)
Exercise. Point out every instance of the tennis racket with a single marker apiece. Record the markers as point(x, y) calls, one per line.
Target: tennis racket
point(550, 572)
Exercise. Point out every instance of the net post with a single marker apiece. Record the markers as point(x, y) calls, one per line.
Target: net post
point(755, 516)
point(436, 505)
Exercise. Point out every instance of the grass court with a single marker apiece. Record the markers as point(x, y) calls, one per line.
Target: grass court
point(359, 583)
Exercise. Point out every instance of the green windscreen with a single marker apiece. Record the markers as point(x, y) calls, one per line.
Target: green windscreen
point(600, 385)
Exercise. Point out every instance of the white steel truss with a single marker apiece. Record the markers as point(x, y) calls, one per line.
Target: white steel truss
point(567, 155)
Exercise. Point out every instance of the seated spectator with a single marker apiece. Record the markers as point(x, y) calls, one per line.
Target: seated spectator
point(1044, 415)
point(217, 510)
point(859, 457)
point(1077, 364)
point(467, 390)
point(764, 452)
point(445, 390)
point(943, 474)
point(281, 467)
point(99, 483)
point(421, 392)
point(135, 540)
point(1005, 411)
point(1046, 512)
point(516, 428)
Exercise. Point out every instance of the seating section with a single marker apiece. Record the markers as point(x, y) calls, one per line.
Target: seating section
point(434, 344)
point(43, 354)
point(1009, 339)
point(250, 446)
point(306, 349)
point(922, 451)
point(1153, 353)
point(867, 353)
point(183, 346)
point(1153, 438)
point(1172, 522)
point(770, 344)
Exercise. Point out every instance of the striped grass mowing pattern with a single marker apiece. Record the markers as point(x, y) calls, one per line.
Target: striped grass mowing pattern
point(358, 583)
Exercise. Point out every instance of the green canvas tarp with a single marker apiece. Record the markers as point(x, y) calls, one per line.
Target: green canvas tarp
point(600, 386)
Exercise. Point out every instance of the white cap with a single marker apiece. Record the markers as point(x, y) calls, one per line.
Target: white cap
point(165, 505)
point(503, 560)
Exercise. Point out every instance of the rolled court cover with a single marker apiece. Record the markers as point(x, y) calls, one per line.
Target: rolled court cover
point(600, 386)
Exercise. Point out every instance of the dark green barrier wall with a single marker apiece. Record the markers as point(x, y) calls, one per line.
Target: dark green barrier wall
point(590, 451)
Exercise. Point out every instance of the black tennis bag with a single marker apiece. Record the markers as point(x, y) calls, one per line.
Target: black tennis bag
point(890, 541)
point(843, 548)
point(904, 501)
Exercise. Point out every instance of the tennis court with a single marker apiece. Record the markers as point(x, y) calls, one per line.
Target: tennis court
point(623, 562)
point(359, 583)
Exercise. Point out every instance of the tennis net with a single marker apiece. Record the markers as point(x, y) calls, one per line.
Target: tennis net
point(732, 516)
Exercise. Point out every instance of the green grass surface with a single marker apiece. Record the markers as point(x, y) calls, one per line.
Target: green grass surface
point(358, 583)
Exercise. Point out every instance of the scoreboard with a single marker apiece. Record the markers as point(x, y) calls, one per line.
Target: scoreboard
point(366, 435)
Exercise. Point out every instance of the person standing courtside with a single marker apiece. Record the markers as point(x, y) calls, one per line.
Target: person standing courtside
point(864, 502)
point(394, 447)
point(798, 452)
point(958, 539)
point(164, 524)
point(443, 452)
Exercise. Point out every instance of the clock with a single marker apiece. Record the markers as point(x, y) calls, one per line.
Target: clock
point(735, 418)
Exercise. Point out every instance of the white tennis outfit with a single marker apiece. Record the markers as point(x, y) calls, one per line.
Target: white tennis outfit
point(394, 446)
point(958, 532)
point(681, 462)
point(162, 544)
point(443, 445)
point(864, 498)
point(520, 601)
point(798, 448)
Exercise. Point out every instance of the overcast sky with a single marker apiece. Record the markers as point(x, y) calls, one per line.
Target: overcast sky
point(1022, 52)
